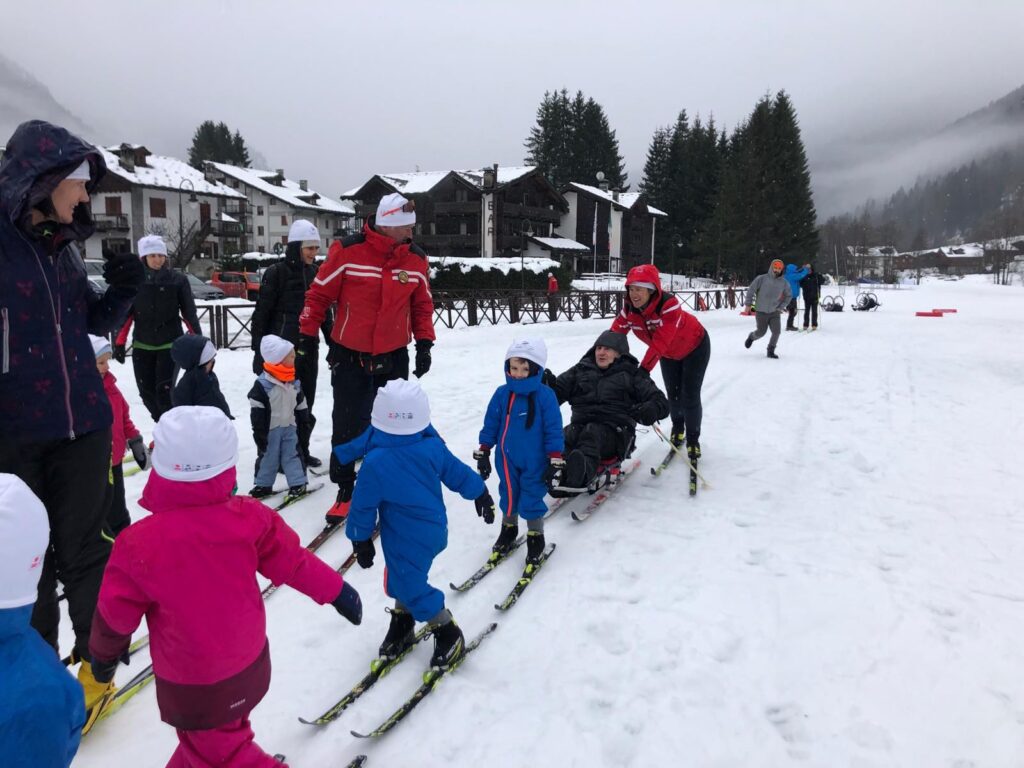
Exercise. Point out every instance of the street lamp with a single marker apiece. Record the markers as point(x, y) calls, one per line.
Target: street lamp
point(193, 203)
point(677, 242)
point(526, 230)
point(604, 186)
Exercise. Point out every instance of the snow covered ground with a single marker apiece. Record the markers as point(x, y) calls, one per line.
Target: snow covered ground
point(849, 593)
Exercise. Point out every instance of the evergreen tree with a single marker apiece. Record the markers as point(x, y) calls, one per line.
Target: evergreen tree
point(214, 141)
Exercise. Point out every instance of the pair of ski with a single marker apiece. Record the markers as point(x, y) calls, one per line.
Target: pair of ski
point(380, 667)
point(118, 698)
point(496, 559)
point(656, 471)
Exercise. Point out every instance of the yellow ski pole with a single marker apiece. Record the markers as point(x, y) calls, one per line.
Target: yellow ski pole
point(703, 483)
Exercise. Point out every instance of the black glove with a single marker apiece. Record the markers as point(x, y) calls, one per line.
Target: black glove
point(483, 462)
point(308, 345)
point(119, 353)
point(553, 474)
point(365, 552)
point(645, 413)
point(348, 604)
point(257, 363)
point(548, 378)
point(485, 507)
point(139, 451)
point(123, 270)
point(104, 671)
point(422, 357)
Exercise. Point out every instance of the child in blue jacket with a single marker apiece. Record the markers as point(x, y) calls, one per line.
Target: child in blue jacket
point(525, 424)
point(404, 463)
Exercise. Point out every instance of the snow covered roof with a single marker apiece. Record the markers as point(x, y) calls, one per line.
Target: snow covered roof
point(626, 200)
point(421, 182)
point(1012, 243)
point(287, 191)
point(560, 244)
point(965, 251)
point(228, 219)
point(629, 199)
point(164, 173)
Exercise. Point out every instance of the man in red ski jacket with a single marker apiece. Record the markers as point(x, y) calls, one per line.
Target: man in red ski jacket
point(677, 339)
point(379, 280)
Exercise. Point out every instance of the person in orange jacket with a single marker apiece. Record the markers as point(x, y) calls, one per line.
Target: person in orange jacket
point(379, 280)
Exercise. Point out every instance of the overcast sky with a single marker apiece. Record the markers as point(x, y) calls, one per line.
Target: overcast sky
point(337, 91)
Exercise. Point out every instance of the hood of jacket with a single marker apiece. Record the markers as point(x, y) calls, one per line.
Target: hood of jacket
point(187, 350)
point(36, 159)
point(622, 361)
point(524, 386)
point(161, 494)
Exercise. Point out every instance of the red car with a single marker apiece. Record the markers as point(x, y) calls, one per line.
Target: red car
point(239, 285)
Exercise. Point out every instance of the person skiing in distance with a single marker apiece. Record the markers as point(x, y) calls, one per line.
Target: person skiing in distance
point(281, 299)
point(405, 463)
point(195, 355)
point(677, 340)
point(379, 280)
point(525, 424)
point(164, 301)
point(190, 569)
point(54, 417)
point(123, 432)
point(793, 277)
point(280, 419)
point(42, 711)
point(609, 392)
point(771, 293)
point(811, 286)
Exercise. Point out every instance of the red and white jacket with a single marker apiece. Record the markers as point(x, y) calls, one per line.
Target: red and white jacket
point(667, 329)
point(382, 290)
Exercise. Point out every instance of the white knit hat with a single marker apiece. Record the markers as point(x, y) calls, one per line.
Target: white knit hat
point(401, 408)
point(24, 538)
point(193, 443)
point(100, 345)
point(209, 352)
point(274, 349)
point(151, 244)
point(304, 232)
point(529, 349)
point(390, 213)
point(81, 173)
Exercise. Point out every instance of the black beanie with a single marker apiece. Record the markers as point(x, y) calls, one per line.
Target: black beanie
point(613, 340)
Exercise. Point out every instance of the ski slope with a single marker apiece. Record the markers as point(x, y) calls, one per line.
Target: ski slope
point(850, 592)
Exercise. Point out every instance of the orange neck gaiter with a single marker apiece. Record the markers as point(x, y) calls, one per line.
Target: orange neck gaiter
point(279, 371)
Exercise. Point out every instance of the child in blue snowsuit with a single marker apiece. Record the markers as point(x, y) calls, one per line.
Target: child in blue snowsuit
point(793, 277)
point(525, 424)
point(42, 710)
point(404, 463)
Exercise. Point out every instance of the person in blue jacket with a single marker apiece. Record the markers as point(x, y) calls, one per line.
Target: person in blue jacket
point(793, 277)
point(405, 461)
point(525, 424)
point(55, 418)
point(41, 709)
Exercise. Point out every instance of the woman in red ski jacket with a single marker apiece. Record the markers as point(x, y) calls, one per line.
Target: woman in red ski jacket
point(677, 339)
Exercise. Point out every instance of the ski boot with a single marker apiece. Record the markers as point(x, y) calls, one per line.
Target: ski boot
point(339, 510)
point(693, 453)
point(506, 539)
point(449, 644)
point(294, 491)
point(401, 634)
point(261, 491)
point(678, 436)
point(97, 695)
point(534, 548)
point(749, 340)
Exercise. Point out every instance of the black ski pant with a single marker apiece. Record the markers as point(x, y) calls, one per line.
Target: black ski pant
point(117, 518)
point(811, 310)
point(154, 372)
point(354, 392)
point(596, 441)
point(683, 381)
point(70, 477)
point(791, 314)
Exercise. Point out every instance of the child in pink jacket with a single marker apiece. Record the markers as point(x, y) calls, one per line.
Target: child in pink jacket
point(190, 568)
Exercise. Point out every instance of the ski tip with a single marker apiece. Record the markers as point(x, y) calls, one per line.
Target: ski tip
point(304, 721)
point(359, 735)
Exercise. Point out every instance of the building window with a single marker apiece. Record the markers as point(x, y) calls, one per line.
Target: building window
point(259, 231)
point(259, 210)
point(112, 206)
point(157, 208)
point(284, 221)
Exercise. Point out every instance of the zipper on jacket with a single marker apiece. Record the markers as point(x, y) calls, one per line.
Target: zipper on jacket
point(5, 362)
point(341, 333)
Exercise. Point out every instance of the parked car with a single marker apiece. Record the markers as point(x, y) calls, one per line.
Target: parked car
point(201, 290)
point(239, 285)
point(98, 284)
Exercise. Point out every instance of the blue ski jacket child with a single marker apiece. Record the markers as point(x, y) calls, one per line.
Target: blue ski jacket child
point(400, 483)
point(524, 424)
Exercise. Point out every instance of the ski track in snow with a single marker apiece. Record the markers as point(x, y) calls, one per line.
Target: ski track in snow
point(849, 593)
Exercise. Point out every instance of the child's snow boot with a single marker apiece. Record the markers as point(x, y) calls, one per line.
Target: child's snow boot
point(506, 538)
point(261, 491)
point(449, 644)
point(295, 491)
point(534, 547)
point(401, 634)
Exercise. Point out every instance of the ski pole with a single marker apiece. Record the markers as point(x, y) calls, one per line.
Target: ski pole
point(703, 483)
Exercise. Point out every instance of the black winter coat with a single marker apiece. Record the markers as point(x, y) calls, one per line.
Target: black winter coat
point(163, 296)
point(811, 286)
point(196, 386)
point(609, 396)
point(281, 299)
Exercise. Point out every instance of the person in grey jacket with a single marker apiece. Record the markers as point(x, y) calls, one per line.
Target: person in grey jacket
point(769, 293)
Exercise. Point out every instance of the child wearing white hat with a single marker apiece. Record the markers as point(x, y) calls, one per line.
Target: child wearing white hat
point(280, 419)
point(42, 709)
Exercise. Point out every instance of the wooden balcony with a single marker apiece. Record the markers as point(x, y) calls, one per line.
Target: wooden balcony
point(469, 207)
point(111, 222)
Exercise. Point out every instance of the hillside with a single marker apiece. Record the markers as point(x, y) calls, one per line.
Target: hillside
point(22, 98)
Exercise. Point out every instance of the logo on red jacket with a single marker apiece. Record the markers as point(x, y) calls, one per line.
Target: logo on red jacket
point(403, 277)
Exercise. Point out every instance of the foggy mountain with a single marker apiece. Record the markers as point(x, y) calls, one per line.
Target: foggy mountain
point(22, 98)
